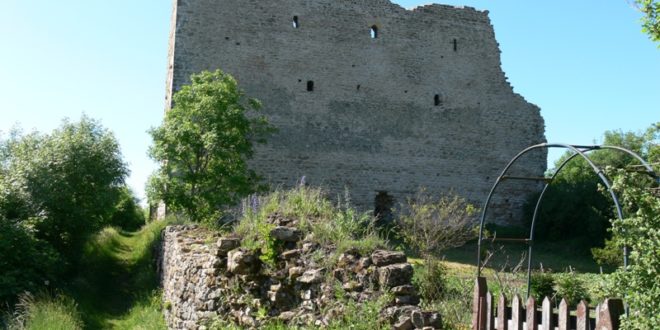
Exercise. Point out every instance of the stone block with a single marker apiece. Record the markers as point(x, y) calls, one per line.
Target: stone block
point(395, 275)
point(312, 276)
point(226, 244)
point(384, 258)
point(242, 262)
point(286, 234)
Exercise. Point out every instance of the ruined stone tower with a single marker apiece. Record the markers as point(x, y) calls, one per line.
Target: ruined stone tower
point(366, 94)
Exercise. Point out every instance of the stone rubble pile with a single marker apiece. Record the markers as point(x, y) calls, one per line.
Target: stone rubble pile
point(206, 276)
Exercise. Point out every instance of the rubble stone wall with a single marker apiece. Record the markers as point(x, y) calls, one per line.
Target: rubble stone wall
point(206, 277)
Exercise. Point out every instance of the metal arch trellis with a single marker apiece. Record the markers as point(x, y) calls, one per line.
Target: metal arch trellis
point(578, 150)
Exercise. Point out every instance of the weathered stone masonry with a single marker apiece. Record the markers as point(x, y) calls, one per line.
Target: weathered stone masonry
point(206, 277)
point(425, 103)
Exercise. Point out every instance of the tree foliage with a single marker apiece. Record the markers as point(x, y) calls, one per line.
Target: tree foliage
point(55, 190)
point(26, 263)
point(66, 183)
point(203, 146)
point(574, 208)
point(651, 18)
point(127, 213)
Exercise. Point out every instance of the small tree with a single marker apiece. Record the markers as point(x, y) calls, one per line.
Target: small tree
point(430, 226)
point(203, 146)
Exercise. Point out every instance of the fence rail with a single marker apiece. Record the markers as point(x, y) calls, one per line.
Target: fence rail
point(488, 314)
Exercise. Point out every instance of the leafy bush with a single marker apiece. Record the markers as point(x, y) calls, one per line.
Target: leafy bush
point(63, 186)
point(430, 226)
point(26, 263)
point(640, 231)
point(542, 285)
point(571, 288)
point(128, 215)
point(610, 254)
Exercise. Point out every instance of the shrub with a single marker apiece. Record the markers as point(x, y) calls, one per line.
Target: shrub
point(640, 231)
point(128, 215)
point(542, 285)
point(430, 225)
point(63, 185)
point(571, 288)
point(610, 254)
point(26, 263)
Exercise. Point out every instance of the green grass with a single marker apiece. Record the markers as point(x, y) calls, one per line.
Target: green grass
point(45, 312)
point(558, 256)
point(338, 226)
point(118, 286)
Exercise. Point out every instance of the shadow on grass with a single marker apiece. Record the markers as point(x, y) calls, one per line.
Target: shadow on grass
point(557, 256)
point(117, 273)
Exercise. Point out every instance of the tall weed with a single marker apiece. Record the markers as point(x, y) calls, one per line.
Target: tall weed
point(45, 312)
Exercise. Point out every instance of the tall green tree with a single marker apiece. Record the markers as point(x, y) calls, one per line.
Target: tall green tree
point(203, 146)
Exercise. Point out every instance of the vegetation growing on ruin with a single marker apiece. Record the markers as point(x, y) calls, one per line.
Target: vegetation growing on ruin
point(339, 225)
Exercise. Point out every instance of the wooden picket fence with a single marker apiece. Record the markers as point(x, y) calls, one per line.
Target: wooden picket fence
point(521, 315)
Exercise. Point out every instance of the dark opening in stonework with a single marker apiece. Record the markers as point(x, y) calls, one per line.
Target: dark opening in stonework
point(310, 86)
point(296, 23)
point(374, 32)
point(358, 87)
point(383, 204)
point(436, 100)
point(455, 45)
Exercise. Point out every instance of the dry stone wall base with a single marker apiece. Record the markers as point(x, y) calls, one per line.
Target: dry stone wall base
point(207, 277)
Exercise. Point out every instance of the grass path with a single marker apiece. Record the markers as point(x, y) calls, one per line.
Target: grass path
point(117, 287)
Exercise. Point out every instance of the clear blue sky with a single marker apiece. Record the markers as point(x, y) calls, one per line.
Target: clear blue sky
point(585, 63)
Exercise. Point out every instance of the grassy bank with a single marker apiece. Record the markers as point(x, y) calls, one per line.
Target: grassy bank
point(116, 287)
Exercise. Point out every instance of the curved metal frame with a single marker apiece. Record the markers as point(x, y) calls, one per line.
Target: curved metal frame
point(577, 150)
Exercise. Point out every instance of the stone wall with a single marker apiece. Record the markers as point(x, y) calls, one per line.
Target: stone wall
point(207, 278)
point(426, 103)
